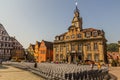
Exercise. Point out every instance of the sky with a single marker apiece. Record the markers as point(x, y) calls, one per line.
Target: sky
point(35, 20)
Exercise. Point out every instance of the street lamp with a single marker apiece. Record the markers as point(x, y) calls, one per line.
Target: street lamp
point(26, 55)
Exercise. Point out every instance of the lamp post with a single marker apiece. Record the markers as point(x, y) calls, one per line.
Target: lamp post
point(26, 55)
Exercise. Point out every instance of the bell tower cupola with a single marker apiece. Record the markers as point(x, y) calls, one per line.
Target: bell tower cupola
point(77, 20)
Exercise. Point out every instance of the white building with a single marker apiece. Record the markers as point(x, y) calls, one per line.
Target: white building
point(6, 44)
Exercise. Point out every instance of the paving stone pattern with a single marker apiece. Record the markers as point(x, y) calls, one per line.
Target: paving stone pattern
point(115, 71)
point(12, 73)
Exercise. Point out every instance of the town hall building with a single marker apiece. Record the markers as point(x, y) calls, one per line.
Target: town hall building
point(79, 44)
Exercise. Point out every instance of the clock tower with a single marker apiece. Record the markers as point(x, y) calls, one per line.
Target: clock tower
point(77, 20)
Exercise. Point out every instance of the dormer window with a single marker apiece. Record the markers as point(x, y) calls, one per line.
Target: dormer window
point(57, 38)
point(72, 36)
point(95, 33)
point(88, 34)
point(79, 35)
point(61, 38)
point(67, 37)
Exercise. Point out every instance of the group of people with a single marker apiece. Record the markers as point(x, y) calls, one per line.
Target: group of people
point(98, 65)
point(0, 61)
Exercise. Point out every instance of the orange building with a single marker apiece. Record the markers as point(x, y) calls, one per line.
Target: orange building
point(45, 51)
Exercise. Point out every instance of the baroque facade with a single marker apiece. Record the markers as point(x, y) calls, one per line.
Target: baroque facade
point(78, 44)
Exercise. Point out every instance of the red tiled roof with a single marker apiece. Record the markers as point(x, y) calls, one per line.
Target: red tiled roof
point(48, 44)
point(113, 55)
point(89, 30)
point(61, 34)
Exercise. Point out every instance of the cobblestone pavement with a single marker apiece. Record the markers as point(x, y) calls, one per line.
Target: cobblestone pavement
point(11, 73)
point(115, 71)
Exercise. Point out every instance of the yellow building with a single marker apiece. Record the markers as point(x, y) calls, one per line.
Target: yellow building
point(31, 49)
point(36, 53)
point(78, 44)
point(30, 53)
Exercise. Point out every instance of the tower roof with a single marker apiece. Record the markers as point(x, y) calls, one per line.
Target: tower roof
point(76, 9)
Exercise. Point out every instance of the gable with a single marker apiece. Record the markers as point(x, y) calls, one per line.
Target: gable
point(3, 32)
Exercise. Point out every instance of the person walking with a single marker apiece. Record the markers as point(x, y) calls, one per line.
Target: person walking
point(0, 61)
point(35, 65)
point(99, 65)
point(92, 65)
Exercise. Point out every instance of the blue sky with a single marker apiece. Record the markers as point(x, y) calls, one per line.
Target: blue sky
point(35, 20)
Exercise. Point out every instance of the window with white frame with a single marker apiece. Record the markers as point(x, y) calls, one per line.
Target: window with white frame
point(88, 47)
point(72, 36)
point(79, 35)
point(80, 47)
point(73, 47)
point(95, 46)
point(95, 33)
point(57, 57)
point(67, 48)
point(61, 48)
point(89, 56)
point(96, 57)
point(88, 34)
point(57, 38)
point(57, 49)
point(67, 37)
point(61, 38)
